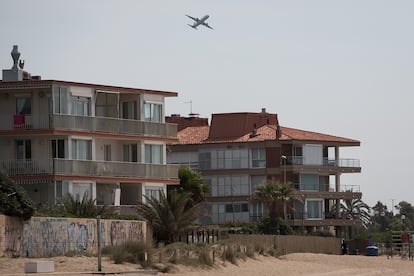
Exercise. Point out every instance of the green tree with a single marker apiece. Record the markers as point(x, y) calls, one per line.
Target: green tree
point(407, 210)
point(14, 200)
point(169, 217)
point(381, 218)
point(192, 182)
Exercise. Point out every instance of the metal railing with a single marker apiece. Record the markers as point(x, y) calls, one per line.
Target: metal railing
point(326, 188)
point(99, 124)
point(88, 168)
point(342, 162)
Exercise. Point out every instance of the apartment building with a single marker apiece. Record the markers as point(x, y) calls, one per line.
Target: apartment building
point(238, 152)
point(59, 137)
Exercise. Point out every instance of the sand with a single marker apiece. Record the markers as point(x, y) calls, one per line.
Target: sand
point(292, 264)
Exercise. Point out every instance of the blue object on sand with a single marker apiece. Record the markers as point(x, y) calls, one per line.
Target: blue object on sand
point(371, 251)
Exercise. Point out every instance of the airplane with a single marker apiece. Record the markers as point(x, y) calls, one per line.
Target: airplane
point(198, 22)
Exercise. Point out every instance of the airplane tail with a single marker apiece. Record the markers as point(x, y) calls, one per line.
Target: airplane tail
point(192, 26)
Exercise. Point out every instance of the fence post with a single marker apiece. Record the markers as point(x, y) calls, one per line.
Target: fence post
point(98, 223)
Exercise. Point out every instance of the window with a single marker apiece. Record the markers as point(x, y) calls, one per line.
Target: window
point(24, 105)
point(258, 158)
point(309, 182)
point(204, 160)
point(81, 149)
point(82, 189)
point(107, 152)
point(153, 154)
point(153, 192)
point(153, 112)
point(80, 106)
point(23, 150)
point(106, 105)
point(230, 185)
point(314, 209)
point(131, 153)
point(57, 148)
point(297, 151)
point(60, 102)
point(129, 110)
point(237, 208)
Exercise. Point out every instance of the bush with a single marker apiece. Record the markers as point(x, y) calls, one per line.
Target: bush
point(135, 252)
point(204, 257)
point(271, 226)
point(229, 254)
point(14, 200)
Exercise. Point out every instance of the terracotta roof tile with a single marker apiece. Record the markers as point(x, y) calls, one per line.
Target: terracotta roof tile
point(199, 135)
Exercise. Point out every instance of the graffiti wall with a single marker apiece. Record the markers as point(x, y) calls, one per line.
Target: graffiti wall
point(41, 237)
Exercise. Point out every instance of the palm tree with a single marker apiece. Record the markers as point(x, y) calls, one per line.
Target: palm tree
point(169, 217)
point(357, 209)
point(269, 195)
point(274, 192)
point(286, 193)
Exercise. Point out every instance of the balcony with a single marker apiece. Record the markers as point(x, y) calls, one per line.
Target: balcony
point(326, 219)
point(89, 168)
point(326, 164)
point(92, 124)
point(345, 192)
point(300, 160)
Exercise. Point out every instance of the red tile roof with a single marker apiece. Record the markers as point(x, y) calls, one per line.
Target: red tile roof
point(200, 135)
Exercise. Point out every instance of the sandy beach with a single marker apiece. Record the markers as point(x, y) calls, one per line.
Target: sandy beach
point(292, 264)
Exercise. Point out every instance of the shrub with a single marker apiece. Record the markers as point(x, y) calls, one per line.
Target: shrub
point(229, 254)
point(136, 252)
point(204, 257)
point(250, 251)
point(14, 200)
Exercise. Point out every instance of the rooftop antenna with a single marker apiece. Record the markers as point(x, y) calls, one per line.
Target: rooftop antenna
point(191, 106)
point(392, 205)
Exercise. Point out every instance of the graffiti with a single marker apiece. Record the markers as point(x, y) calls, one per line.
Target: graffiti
point(78, 237)
point(121, 231)
point(43, 237)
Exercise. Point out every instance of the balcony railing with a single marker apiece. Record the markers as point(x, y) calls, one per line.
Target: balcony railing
point(326, 188)
point(300, 160)
point(245, 163)
point(88, 168)
point(88, 123)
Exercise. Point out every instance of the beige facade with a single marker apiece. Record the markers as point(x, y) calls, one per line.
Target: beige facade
point(59, 137)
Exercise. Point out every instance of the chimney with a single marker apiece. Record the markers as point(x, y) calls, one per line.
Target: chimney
point(278, 132)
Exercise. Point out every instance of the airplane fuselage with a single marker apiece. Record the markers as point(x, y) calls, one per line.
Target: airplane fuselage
point(198, 22)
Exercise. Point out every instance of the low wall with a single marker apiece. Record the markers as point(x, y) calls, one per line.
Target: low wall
point(43, 236)
point(11, 232)
point(293, 244)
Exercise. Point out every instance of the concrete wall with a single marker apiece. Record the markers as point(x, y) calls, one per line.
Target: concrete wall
point(42, 236)
point(11, 232)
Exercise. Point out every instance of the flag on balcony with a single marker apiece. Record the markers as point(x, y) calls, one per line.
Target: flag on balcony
point(18, 120)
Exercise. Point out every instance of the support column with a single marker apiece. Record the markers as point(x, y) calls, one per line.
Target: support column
point(338, 189)
point(337, 181)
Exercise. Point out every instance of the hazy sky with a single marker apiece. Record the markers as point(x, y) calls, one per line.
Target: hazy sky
point(338, 67)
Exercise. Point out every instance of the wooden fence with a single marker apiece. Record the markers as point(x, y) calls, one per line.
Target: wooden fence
point(293, 244)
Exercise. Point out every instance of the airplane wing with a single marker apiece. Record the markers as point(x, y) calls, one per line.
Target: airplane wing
point(208, 26)
point(193, 18)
